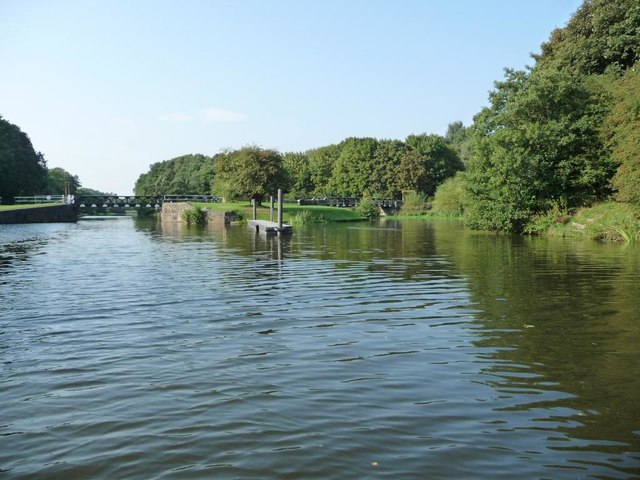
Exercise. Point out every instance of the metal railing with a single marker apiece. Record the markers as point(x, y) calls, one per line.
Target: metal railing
point(191, 198)
point(35, 199)
point(137, 201)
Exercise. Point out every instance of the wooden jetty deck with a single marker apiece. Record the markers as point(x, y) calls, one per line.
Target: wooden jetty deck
point(265, 226)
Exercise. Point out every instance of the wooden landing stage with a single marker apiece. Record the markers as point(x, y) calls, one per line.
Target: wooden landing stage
point(265, 226)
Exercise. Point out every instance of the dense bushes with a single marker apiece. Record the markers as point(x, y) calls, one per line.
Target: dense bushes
point(449, 199)
point(564, 134)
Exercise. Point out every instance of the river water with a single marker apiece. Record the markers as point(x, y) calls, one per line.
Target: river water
point(400, 350)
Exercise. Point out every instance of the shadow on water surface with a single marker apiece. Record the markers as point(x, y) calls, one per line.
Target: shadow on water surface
point(560, 320)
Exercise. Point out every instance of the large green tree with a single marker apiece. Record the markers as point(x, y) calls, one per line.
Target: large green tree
point(622, 133)
point(459, 138)
point(602, 35)
point(296, 165)
point(537, 145)
point(321, 162)
point(184, 175)
point(23, 171)
point(387, 159)
point(351, 172)
point(59, 182)
point(250, 172)
point(429, 162)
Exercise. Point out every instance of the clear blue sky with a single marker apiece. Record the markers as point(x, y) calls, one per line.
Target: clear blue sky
point(106, 88)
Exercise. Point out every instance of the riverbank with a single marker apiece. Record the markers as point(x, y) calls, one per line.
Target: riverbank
point(605, 222)
point(611, 221)
point(45, 213)
point(4, 208)
point(293, 214)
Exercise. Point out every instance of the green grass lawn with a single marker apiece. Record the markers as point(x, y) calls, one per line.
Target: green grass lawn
point(291, 213)
point(27, 205)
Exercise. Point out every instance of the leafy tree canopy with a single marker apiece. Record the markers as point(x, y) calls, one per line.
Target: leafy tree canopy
point(296, 165)
point(430, 162)
point(351, 172)
point(184, 175)
point(554, 136)
point(321, 161)
point(602, 35)
point(459, 138)
point(536, 145)
point(59, 182)
point(23, 171)
point(251, 172)
point(622, 133)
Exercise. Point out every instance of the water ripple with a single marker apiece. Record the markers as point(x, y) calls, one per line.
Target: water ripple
point(132, 353)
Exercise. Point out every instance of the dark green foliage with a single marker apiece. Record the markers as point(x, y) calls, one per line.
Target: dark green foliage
point(321, 162)
point(622, 131)
point(251, 172)
point(351, 171)
point(23, 171)
point(429, 162)
point(296, 166)
point(368, 166)
point(602, 35)
point(185, 175)
point(411, 173)
point(59, 182)
point(553, 137)
point(459, 138)
point(383, 176)
point(536, 146)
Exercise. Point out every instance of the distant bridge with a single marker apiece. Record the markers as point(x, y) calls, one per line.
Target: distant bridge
point(156, 201)
point(137, 201)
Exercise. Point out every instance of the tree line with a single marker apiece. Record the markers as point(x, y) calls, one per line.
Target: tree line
point(354, 167)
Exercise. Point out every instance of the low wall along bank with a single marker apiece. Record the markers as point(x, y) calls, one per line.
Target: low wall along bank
point(172, 212)
point(48, 214)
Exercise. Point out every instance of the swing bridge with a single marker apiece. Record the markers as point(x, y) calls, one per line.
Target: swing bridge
point(137, 201)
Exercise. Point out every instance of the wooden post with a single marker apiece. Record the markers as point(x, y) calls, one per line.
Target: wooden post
point(280, 201)
point(255, 208)
point(271, 201)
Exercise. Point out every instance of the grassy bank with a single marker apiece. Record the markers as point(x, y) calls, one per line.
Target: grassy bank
point(27, 205)
point(610, 221)
point(291, 213)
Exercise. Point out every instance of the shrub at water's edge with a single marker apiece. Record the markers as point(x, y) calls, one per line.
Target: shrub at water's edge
point(367, 209)
point(194, 216)
point(414, 203)
point(610, 221)
point(450, 197)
